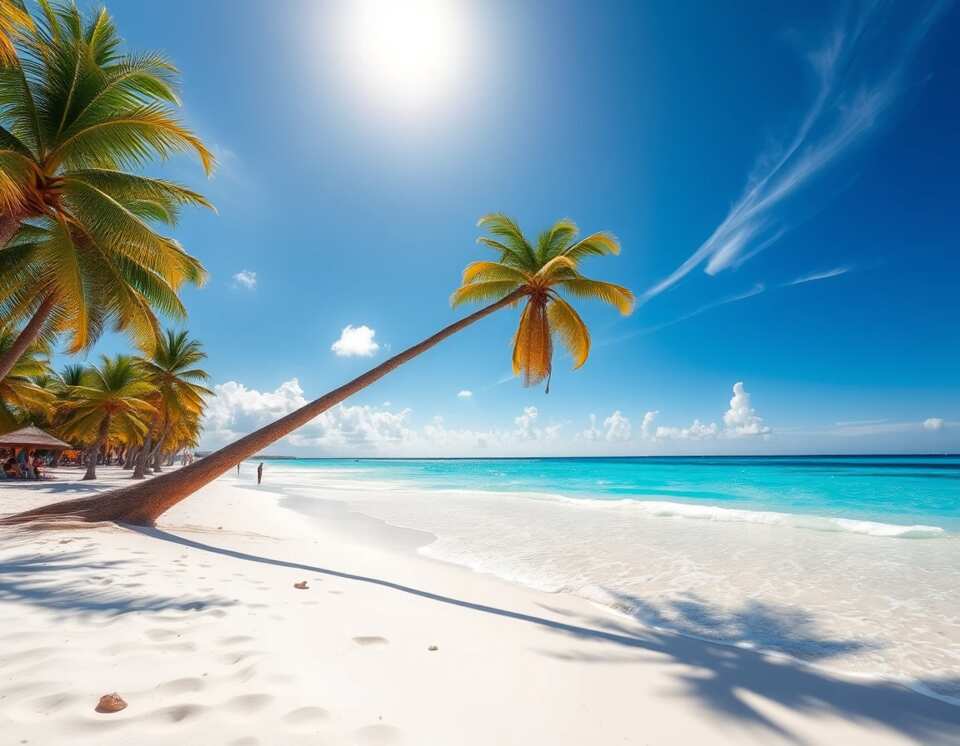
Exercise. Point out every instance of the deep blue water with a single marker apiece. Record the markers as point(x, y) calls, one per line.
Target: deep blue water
point(887, 489)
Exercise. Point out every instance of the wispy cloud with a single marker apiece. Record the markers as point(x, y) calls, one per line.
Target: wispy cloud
point(754, 291)
point(849, 101)
point(814, 276)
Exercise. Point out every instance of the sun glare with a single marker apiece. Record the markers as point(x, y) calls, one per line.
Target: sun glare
point(408, 52)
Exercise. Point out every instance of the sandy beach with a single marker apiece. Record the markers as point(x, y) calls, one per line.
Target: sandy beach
point(198, 626)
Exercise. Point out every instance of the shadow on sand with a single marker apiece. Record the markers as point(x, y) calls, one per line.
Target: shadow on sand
point(718, 676)
point(84, 587)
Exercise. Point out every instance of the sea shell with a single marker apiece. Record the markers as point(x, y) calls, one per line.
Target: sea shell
point(302, 585)
point(111, 703)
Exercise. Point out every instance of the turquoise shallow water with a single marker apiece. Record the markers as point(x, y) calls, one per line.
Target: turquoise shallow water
point(905, 490)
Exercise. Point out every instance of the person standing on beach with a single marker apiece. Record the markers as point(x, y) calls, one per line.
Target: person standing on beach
point(259, 473)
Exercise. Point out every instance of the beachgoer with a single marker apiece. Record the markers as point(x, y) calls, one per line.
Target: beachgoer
point(10, 468)
point(259, 473)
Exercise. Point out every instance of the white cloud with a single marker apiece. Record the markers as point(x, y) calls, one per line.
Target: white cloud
point(465, 394)
point(355, 341)
point(933, 423)
point(646, 427)
point(815, 276)
point(741, 419)
point(245, 279)
point(527, 428)
point(236, 410)
point(696, 431)
point(616, 428)
point(850, 99)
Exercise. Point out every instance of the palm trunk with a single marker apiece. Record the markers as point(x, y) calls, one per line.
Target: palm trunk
point(130, 457)
point(27, 336)
point(95, 449)
point(140, 470)
point(143, 503)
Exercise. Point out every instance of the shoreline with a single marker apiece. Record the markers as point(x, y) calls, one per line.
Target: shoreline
point(374, 608)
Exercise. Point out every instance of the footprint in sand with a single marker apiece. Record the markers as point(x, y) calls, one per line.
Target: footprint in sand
point(371, 640)
point(248, 704)
point(177, 686)
point(379, 734)
point(306, 718)
point(174, 714)
point(159, 635)
point(235, 640)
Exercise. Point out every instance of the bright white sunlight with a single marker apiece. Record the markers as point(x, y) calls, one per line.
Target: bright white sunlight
point(407, 53)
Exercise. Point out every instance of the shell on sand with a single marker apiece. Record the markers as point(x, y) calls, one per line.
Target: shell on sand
point(302, 585)
point(111, 703)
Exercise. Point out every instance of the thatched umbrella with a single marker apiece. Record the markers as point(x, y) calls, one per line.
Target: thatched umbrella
point(32, 437)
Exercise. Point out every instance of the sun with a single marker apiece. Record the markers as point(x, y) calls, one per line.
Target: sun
point(407, 52)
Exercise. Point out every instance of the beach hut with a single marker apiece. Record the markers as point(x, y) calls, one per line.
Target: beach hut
point(33, 438)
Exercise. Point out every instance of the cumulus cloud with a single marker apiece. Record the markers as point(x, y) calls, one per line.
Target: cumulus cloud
point(245, 279)
point(616, 428)
point(236, 410)
point(851, 97)
point(696, 431)
point(741, 419)
point(465, 394)
point(355, 341)
point(528, 429)
point(933, 423)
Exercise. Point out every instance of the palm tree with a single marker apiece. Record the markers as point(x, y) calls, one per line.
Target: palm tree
point(21, 396)
point(13, 20)
point(111, 399)
point(173, 371)
point(75, 116)
point(523, 273)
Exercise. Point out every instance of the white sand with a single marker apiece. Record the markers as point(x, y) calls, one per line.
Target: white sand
point(198, 627)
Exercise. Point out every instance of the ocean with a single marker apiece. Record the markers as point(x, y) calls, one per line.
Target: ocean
point(847, 562)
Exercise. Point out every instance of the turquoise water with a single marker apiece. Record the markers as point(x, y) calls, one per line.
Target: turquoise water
point(902, 490)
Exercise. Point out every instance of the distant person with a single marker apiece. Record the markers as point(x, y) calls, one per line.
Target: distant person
point(260, 473)
point(238, 468)
point(11, 469)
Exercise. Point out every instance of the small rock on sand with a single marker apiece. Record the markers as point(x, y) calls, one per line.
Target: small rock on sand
point(432, 648)
point(110, 703)
point(302, 585)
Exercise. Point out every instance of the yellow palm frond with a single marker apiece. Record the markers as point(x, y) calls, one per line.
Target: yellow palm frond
point(616, 295)
point(532, 346)
point(492, 271)
point(596, 244)
point(13, 20)
point(554, 267)
point(569, 327)
point(483, 291)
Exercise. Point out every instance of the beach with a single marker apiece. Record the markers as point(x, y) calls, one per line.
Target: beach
point(198, 626)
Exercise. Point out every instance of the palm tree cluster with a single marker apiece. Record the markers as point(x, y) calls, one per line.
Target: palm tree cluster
point(126, 409)
point(82, 234)
point(82, 238)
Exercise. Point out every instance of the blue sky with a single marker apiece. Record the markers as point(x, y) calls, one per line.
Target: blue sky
point(783, 180)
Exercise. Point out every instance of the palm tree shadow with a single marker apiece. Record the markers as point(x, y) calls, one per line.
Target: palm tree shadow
point(84, 587)
point(715, 675)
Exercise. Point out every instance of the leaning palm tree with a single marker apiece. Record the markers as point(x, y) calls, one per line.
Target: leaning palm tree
point(22, 393)
point(535, 276)
point(173, 370)
point(112, 399)
point(79, 240)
